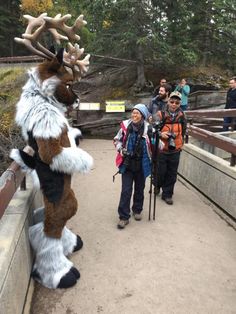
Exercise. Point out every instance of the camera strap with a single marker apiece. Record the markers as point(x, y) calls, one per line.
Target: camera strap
point(114, 175)
point(137, 143)
point(138, 139)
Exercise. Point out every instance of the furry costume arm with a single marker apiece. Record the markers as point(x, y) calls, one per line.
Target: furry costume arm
point(64, 159)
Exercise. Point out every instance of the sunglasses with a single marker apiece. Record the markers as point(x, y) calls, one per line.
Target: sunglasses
point(177, 102)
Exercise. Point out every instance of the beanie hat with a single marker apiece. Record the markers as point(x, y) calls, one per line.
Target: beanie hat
point(142, 109)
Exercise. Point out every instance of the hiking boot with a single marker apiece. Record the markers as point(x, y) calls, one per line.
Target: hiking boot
point(137, 216)
point(122, 223)
point(168, 200)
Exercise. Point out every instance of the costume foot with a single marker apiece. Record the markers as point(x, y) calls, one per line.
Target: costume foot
point(75, 272)
point(35, 275)
point(52, 269)
point(79, 244)
point(67, 281)
point(70, 241)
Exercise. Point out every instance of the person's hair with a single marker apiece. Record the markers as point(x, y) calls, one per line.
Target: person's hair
point(233, 78)
point(168, 88)
point(162, 79)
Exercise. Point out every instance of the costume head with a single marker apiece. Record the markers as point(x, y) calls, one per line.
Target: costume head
point(60, 69)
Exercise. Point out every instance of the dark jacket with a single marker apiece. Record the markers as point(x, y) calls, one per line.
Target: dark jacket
point(231, 99)
point(156, 104)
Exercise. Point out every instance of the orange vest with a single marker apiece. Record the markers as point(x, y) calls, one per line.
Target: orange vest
point(172, 126)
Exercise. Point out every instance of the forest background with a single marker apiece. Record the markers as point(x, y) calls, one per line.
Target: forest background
point(166, 38)
point(164, 34)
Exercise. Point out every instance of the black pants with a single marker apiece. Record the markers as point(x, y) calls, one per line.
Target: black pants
point(228, 121)
point(128, 178)
point(167, 166)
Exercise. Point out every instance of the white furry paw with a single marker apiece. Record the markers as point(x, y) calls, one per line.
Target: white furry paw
point(72, 159)
point(15, 155)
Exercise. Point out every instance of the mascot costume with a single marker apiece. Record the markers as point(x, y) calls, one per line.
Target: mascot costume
point(41, 115)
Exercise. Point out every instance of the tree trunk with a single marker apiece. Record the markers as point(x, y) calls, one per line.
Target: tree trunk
point(141, 79)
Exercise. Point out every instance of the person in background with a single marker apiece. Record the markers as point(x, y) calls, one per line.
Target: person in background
point(134, 162)
point(157, 89)
point(230, 104)
point(184, 89)
point(173, 129)
point(160, 101)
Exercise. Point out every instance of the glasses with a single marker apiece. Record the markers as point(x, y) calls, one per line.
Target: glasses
point(163, 82)
point(177, 102)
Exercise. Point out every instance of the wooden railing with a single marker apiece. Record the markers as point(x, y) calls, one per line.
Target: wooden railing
point(10, 181)
point(27, 59)
point(21, 59)
point(206, 99)
point(218, 140)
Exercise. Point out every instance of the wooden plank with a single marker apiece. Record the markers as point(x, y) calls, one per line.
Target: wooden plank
point(9, 183)
point(218, 113)
point(218, 140)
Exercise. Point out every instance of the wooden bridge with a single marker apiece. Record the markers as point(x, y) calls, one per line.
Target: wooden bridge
point(184, 262)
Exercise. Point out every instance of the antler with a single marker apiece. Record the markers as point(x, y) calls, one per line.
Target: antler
point(44, 23)
point(72, 56)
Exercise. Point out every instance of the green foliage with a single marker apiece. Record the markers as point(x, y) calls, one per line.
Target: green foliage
point(181, 33)
point(11, 82)
point(10, 27)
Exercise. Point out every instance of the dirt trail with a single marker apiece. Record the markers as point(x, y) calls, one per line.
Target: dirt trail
point(184, 262)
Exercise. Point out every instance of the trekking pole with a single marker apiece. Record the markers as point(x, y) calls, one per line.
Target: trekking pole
point(150, 192)
point(155, 171)
point(151, 178)
point(155, 140)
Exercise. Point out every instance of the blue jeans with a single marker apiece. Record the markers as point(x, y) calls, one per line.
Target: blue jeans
point(128, 179)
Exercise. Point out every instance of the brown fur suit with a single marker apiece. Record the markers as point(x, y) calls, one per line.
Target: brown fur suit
point(40, 114)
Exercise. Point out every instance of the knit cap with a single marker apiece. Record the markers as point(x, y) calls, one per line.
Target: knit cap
point(142, 109)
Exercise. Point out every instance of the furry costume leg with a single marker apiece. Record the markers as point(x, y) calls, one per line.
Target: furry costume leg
point(51, 267)
point(70, 242)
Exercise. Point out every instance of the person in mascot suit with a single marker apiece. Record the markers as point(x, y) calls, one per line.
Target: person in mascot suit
point(41, 115)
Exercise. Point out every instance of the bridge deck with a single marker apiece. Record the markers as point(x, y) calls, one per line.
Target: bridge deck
point(184, 262)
